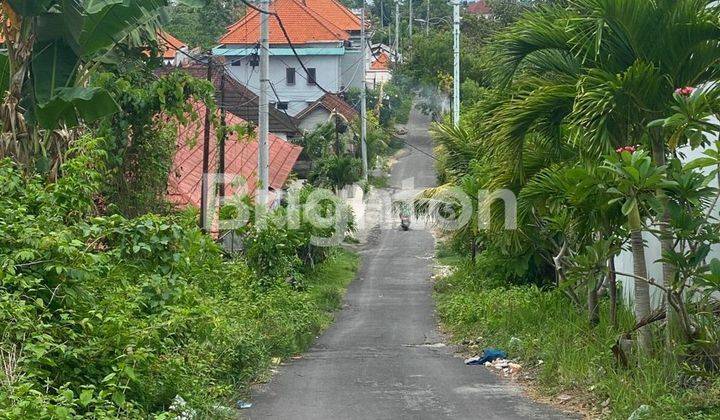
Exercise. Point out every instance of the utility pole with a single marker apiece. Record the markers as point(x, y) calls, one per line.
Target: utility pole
point(427, 18)
point(223, 134)
point(382, 15)
point(206, 159)
point(397, 30)
point(456, 65)
point(410, 20)
point(264, 108)
point(363, 96)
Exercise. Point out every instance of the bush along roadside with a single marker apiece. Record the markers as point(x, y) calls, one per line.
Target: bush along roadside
point(104, 316)
point(562, 356)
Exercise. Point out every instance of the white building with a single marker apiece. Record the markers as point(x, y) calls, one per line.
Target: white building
point(325, 37)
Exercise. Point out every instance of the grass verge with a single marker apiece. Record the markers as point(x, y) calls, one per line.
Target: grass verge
point(535, 325)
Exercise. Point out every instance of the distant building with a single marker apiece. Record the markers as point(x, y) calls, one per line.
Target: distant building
point(326, 37)
point(379, 71)
point(241, 161)
point(323, 110)
point(172, 50)
point(480, 8)
point(241, 101)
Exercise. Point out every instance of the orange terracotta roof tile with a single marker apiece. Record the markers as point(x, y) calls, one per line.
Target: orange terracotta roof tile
point(241, 159)
point(169, 45)
point(381, 62)
point(335, 12)
point(302, 24)
point(332, 103)
point(480, 7)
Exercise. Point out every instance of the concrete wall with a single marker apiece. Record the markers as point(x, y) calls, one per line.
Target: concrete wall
point(299, 95)
point(624, 262)
point(377, 78)
point(317, 117)
point(351, 69)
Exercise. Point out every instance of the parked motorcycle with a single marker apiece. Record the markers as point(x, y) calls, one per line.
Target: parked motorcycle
point(405, 222)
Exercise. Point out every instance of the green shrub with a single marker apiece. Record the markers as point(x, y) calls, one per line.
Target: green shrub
point(535, 325)
point(115, 317)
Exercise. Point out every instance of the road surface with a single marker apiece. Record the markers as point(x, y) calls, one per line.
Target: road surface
point(381, 358)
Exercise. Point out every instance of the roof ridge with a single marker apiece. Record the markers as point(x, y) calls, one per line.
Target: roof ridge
point(319, 18)
point(347, 11)
point(322, 22)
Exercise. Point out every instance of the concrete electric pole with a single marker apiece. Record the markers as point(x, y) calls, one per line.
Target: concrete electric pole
point(264, 108)
point(397, 30)
point(427, 18)
point(363, 96)
point(410, 21)
point(456, 65)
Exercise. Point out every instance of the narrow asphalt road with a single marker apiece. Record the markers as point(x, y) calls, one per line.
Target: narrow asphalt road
point(381, 358)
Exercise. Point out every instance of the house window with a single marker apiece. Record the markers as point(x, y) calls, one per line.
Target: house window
point(290, 75)
point(311, 76)
point(282, 106)
point(237, 62)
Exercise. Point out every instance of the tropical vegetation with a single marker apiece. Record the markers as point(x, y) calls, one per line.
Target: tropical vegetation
point(113, 303)
point(593, 113)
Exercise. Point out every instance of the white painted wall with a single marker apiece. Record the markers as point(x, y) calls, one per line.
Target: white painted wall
point(299, 95)
point(376, 78)
point(351, 69)
point(317, 117)
point(624, 262)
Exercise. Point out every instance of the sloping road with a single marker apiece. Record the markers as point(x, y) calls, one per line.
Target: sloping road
point(380, 360)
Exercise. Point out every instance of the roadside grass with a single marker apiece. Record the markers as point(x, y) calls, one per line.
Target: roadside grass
point(328, 282)
point(286, 324)
point(535, 325)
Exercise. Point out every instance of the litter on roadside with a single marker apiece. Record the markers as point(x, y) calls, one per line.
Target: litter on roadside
point(488, 356)
point(243, 405)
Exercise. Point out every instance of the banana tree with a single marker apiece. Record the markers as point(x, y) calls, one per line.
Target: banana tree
point(52, 50)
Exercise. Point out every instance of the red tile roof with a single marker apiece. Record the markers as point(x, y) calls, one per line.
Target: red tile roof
point(238, 99)
point(336, 13)
point(241, 158)
point(169, 45)
point(381, 62)
point(302, 24)
point(480, 7)
point(332, 103)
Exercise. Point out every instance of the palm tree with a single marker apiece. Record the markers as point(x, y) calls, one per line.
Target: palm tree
point(605, 69)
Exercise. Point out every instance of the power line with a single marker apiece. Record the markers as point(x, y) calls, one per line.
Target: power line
point(297, 56)
point(287, 38)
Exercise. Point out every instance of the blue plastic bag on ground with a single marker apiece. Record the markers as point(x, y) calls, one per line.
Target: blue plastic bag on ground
point(488, 356)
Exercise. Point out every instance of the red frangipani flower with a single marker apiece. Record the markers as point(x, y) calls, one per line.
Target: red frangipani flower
point(685, 91)
point(629, 149)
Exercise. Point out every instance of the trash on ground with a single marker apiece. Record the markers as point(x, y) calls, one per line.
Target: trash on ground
point(180, 407)
point(243, 405)
point(296, 357)
point(563, 398)
point(488, 356)
point(223, 412)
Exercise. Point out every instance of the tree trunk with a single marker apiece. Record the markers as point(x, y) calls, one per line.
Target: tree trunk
point(612, 286)
point(592, 301)
point(642, 288)
point(473, 249)
point(19, 38)
point(673, 330)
